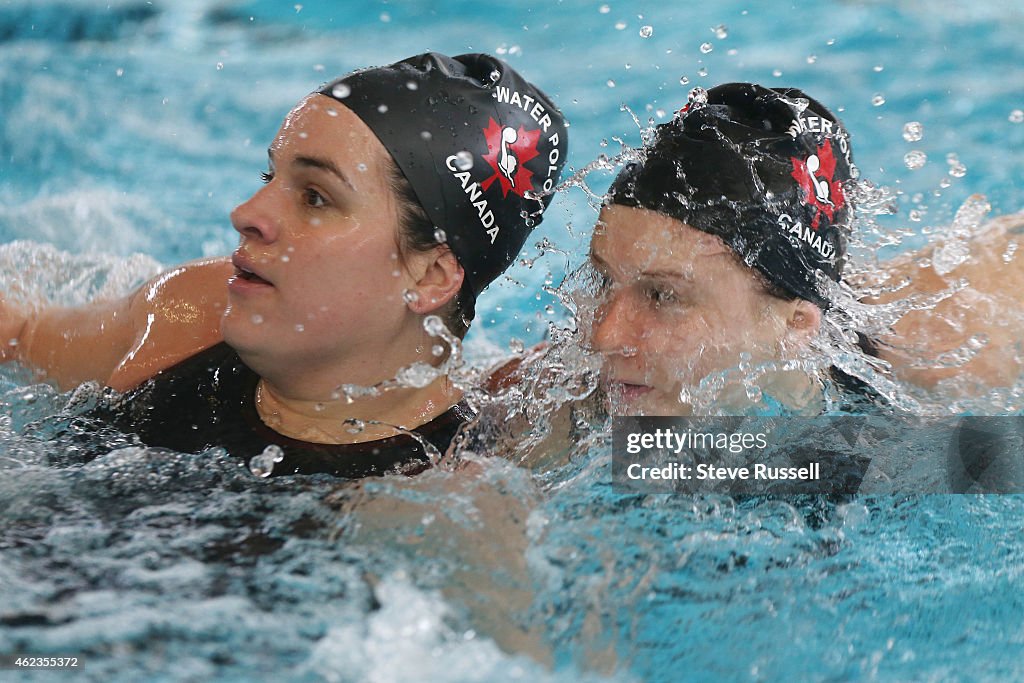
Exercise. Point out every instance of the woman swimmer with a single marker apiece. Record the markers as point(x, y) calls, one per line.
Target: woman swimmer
point(725, 245)
point(384, 204)
point(722, 248)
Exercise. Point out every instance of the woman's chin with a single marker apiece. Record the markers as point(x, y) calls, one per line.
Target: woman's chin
point(629, 400)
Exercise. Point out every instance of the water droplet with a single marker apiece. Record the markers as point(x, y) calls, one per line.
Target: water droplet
point(220, 66)
point(878, 100)
point(878, 68)
point(915, 159)
point(684, 80)
point(332, 112)
point(628, 66)
point(913, 131)
point(721, 32)
point(262, 465)
point(439, 236)
point(611, 83)
point(620, 25)
point(385, 17)
point(383, 109)
point(410, 297)
point(257, 319)
point(314, 221)
point(285, 258)
point(120, 72)
point(434, 326)
point(437, 350)
point(915, 215)
point(957, 169)
point(300, 328)
point(412, 85)
point(340, 91)
point(702, 72)
point(943, 184)
point(660, 113)
point(646, 31)
point(361, 167)
point(1017, 116)
point(298, 8)
point(604, 142)
point(706, 48)
point(303, 135)
point(830, 41)
point(516, 346)
point(777, 73)
point(426, 135)
point(463, 160)
point(604, 9)
point(495, 76)
point(811, 59)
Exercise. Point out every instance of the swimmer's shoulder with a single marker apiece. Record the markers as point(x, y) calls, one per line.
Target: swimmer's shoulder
point(174, 316)
point(987, 307)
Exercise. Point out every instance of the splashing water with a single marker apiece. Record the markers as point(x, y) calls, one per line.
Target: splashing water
point(955, 248)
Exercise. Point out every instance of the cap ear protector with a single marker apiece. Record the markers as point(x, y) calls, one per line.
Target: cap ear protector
point(763, 169)
point(481, 147)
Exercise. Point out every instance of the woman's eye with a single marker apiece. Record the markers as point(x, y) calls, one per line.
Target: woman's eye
point(266, 176)
point(314, 199)
point(660, 295)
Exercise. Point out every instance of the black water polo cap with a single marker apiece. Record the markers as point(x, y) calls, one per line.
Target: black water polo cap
point(481, 147)
point(762, 168)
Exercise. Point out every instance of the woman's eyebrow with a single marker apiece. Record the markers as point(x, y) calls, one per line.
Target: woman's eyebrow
point(326, 165)
point(317, 162)
point(658, 273)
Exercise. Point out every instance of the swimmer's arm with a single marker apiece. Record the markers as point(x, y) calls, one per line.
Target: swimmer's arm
point(553, 449)
point(125, 341)
point(991, 306)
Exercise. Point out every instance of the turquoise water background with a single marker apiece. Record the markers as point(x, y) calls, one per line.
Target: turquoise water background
point(131, 128)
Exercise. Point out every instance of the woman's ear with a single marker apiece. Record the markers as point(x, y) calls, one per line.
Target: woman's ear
point(441, 280)
point(803, 321)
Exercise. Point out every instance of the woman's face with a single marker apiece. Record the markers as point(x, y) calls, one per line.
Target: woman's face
point(675, 306)
point(319, 283)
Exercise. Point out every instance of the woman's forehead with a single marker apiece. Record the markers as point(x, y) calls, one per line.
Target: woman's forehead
point(646, 239)
point(328, 126)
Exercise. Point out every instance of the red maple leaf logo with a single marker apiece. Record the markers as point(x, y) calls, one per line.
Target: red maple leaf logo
point(509, 150)
point(815, 175)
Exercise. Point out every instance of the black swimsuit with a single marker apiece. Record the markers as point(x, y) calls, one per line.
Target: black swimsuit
point(208, 400)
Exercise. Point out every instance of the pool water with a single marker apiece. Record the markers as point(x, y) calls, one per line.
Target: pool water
point(128, 131)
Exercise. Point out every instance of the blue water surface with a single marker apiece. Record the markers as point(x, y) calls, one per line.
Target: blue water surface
point(129, 130)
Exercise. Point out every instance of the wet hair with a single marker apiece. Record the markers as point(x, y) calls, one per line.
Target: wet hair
point(416, 233)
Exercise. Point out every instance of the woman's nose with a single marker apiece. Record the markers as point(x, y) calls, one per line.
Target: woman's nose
point(615, 325)
point(255, 217)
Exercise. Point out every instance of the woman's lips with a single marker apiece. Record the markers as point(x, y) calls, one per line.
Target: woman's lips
point(246, 279)
point(627, 392)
